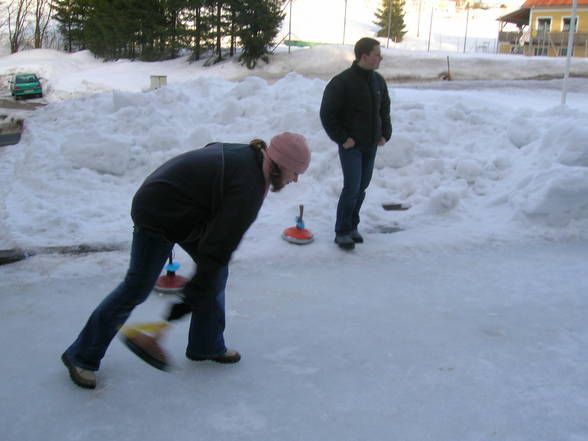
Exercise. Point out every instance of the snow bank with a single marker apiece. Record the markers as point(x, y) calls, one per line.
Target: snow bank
point(473, 166)
point(67, 76)
point(555, 191)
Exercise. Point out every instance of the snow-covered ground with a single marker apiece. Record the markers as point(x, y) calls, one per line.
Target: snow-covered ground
point(477, 345)
point(468, 324)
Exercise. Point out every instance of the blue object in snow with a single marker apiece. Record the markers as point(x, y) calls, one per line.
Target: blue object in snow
point(172, 267)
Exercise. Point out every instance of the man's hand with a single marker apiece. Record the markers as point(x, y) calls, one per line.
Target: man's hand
point(348, 144)
point(381, 142)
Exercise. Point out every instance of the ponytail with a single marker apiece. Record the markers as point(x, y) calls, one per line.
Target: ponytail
point(257, 144)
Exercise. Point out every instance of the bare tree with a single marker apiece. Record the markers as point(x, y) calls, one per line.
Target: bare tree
point(3, 19)
point(18, 12)
point(43, 11)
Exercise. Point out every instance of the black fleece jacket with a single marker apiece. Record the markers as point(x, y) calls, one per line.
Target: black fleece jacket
point(356, 104)
point(210, 196)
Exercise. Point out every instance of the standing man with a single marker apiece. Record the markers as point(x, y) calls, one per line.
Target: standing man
point(355, 113)
point(204, 200)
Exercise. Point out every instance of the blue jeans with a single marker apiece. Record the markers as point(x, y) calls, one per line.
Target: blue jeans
point(357, 165)
point(149, 253)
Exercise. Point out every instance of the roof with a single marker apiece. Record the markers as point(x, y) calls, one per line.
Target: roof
point(520, 17)
point(536, 3)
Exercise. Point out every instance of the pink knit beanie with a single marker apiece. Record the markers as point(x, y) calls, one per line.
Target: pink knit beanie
point(290, 151)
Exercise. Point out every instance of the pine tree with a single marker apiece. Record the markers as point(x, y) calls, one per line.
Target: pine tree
point(219, 24)
point(233, 6)
point(151, 24)
point(158, 29)
point(396, 20)
point(198, 26)
point(71, 16)
point(175, 26)
point(257, 22)
point(109, 29)
point(150, 29)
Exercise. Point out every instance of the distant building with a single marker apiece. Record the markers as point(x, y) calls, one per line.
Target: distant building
point(543, 27)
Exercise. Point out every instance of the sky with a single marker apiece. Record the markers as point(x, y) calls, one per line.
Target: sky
point(465, 323)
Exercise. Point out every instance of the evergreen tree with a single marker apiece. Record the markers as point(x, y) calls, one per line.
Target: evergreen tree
point(174, 26)
point(396, 20)
point(151, 28)
point(232, 6)
point(198, 25)
point(158, 29)
point(109, 29)
point(257, 23)
point(71, 16)
point(220, 24)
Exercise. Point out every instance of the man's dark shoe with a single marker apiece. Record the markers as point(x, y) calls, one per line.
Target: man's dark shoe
point(344, 241)
point(356, 237)
point(229, 357)
point(82, 377)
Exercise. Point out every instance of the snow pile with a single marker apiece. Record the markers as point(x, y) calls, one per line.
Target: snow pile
point(556, 190)
point(473, 166)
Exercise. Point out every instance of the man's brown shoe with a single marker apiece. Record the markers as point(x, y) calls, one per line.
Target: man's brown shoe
point(82, 377)
point(230, 356)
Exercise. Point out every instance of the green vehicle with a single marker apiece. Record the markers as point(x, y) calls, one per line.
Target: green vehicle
point(23, 85)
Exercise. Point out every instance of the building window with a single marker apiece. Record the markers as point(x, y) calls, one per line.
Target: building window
point(541, 51)
point(543, 25)
point(566, 24)
point(563, 52)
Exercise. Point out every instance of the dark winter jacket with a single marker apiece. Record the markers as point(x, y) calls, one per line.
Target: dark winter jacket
point(211, 195)
point(356, 105)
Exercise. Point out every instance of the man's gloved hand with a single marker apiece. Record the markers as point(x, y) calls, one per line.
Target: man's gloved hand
point(177, 311)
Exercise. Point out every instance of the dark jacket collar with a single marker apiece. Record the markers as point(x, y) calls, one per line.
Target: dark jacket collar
point(365, 73)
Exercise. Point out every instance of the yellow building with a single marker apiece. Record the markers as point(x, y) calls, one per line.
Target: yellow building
point(543, 29)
